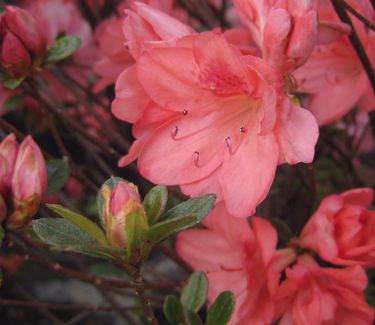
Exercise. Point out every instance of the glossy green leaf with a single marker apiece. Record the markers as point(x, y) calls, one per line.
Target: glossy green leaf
point(85, 224)
point(58, 174)
point(222, 309)
point(200, 207)
point(155, 202)
point(192, 318)
point(173, 310)
point(164, 229)
point(135, 228)
point(63, 234)
point(63, 48)
point(194, 294)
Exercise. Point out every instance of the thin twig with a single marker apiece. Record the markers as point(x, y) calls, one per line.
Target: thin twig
point(38, 304)
point(355, 41)
point(364, 20)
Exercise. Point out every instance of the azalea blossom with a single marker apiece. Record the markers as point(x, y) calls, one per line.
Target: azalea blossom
point(212, 120)
point(313, 295)
point(334, 75)
point(285, 31)
point(342, 230)
point(240, 258)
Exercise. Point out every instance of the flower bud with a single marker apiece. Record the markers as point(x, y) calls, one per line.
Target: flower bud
point(8, 155)
point(29, 182)
point(21, 42)
point(118, 202)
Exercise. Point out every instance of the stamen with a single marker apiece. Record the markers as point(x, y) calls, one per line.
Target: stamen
point(196, 158)
point(228, 141)
point(185, 112)
point(174, 132)
point(243, 129)
point(212, 86)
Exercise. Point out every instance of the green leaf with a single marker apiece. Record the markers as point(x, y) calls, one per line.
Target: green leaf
point(135, 228)
point(164, 229)
point(63, 48)
point(83, 223)
point(58, 174)
point(222, 309)
point(64, 235)
point(13, 83)
point(200, 207)
point(173, 310)
point(192, 318)
point(155, 202)
point(13, 103)
point(194, 294)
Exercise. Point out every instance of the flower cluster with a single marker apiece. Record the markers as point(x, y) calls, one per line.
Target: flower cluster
point(287, 284)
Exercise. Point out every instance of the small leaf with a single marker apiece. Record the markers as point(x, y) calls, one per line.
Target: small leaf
point(63, 48)
point(192, 318)
point(164, 229)
point(13, 83)
point(155, 202)
point(58, 174)
point(13, 103)
point(135, 228)
point(85, 224)
point(194, 294)
point(173, 310)
point(64, 235)
point(222, 309)
point(200, 207)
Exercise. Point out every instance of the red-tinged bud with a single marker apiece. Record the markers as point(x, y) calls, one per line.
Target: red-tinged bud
point(8, 155)
point(118, 201)
point(3, 209)
point(29, 183)
point(22, 44)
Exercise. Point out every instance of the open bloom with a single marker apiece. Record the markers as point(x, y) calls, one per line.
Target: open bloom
point(313, 295)
point(285, 31)
point(334, 75)
point(342, 230)
point(22, 45)
point(212, 120)
point(240, 258)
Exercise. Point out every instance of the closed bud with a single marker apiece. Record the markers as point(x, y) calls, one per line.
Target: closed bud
point(119, 199)
point(29, 183)
point(22, 44)
point(8, 155)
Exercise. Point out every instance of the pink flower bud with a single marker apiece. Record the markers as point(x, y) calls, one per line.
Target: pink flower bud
point(8, 154)
point(22, 44)
point(117, 203)
point(29, 182)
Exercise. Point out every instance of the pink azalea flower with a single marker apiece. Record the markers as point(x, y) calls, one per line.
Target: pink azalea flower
point(212, 120)
point(312, 295)
point(240, 258)
point(285, 31)
point(342, 230)
point(334, 75)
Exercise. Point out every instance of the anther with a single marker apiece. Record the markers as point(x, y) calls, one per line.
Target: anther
point(174, 132)
point(243, 129)
point(212, 86)
point(228, 141)
point(196, 158)
point(185, 112)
